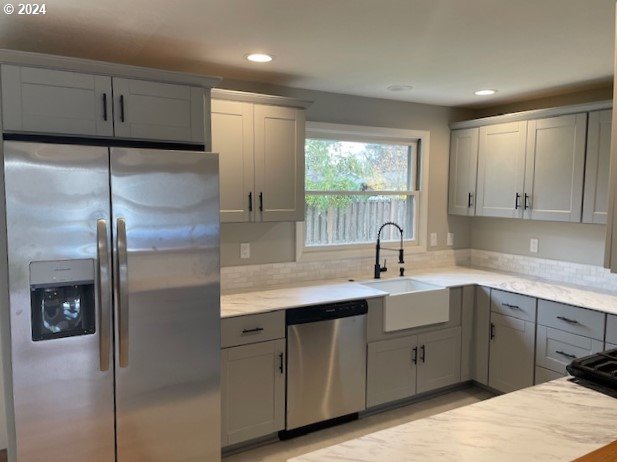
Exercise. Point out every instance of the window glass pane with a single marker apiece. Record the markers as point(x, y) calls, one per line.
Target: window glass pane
point(355, 219)
point(333, 165)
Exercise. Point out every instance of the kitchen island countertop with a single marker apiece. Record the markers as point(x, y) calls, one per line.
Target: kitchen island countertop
point(555, 421)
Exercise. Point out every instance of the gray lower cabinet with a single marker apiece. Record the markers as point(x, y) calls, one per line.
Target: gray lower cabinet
point(154, 110)
point(391, 370)
point(49, 101)
point(546, 375)
point(439, 359)
point(511, 352)
point(480, 335)
point(555, 349)
point(252, 391)
point(401, 367)
point(611, 329)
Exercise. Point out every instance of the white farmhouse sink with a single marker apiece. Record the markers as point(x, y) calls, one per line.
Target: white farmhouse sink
point(411, 303)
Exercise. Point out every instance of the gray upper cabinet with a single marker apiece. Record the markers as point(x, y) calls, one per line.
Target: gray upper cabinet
point(261, 149)
point(232, 138)
point(555, 164)
point(439, 361)
point(252, 391)
point(501, 170)
point(49, 101)
point(37, 100)
point(161, 111)
point(463, 170)
point(595, 203)
point(279, 163)
point(511, 353)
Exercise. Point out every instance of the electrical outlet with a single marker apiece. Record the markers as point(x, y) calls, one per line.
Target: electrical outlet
point(450, 241)
point(533, 245)
point(245, 250)
point(433, 239)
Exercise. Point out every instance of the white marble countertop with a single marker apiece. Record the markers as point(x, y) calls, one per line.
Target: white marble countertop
point(555, 421)
point(318, 292)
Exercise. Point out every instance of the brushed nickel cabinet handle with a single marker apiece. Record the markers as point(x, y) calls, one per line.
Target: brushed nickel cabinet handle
point(512, 307)
point(567, 355)
point(568, 320)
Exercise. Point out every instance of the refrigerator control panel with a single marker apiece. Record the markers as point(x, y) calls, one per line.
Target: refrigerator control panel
point(62, 298)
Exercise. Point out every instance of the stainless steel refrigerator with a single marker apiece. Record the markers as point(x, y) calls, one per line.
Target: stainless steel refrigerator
point(113, 278)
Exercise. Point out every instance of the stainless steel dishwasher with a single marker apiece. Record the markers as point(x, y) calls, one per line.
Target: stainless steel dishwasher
point(326, 362)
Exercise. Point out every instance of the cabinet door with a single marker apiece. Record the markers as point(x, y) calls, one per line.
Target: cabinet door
point(555, 163)
point(158, 111)
point(279, 163)
point(463, 170)
point(501, 170)
point(595, 197)
point(252, 391)
point(391, 370)
point(48, 101)
point(611, 328)
point(511, 353)
point(481, 330)
point(439, 363)
point(232, 139)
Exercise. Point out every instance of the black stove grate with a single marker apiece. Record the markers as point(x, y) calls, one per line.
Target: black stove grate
point(599, 368)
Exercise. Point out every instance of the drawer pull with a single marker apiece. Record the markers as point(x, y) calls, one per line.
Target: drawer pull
point(563, 353)
point(423, 355)
point(512, 307)
point(414, 356)
point(571, 321)
point(492, 331)
point(281, 362)
point(252, 331)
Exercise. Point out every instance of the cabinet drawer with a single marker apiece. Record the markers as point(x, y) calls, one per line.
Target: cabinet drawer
point(572, 319)
point(515, 305)
point(545, 375)
point(611, 329)
point(241, 330)
point(556, 349)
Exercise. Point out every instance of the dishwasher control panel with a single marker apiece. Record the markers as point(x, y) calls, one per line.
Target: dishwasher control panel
point(324, 312)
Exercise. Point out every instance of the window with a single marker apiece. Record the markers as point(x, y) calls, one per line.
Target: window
point(355, 182)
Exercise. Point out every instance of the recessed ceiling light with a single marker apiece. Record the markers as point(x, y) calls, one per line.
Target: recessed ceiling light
point(400, 87)
point(485, 92)
point(259, 58)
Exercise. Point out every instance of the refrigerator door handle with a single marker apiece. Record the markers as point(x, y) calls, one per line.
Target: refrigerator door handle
point(103, 293)
point(122, 293)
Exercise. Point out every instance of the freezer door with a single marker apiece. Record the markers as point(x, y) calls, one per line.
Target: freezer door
point(165, 211)
point(57, 207)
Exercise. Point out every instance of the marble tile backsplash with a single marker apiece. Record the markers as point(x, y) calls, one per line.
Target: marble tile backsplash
point(554, 270)
point(242, 278)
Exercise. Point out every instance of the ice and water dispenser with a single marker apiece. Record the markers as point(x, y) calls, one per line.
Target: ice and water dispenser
point(62, 298)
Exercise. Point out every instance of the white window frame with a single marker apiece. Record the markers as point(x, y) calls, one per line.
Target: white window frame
point(377, 135)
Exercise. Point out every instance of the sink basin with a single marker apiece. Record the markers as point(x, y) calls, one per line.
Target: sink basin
point(411, 303)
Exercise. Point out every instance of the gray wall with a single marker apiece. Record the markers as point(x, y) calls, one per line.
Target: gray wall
point(276, 242)
point(574, 242)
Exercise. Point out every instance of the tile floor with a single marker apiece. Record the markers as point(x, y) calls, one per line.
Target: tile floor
point(282, 450)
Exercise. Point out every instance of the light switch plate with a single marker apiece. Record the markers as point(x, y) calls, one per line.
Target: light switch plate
point(533, 245)
point(433, 239)
point(450, 240)
point(245, 250)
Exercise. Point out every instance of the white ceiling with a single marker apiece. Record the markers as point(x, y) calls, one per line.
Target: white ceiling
point(446, 49)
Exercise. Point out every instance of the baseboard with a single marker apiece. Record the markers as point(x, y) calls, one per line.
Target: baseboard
point(417, 398)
